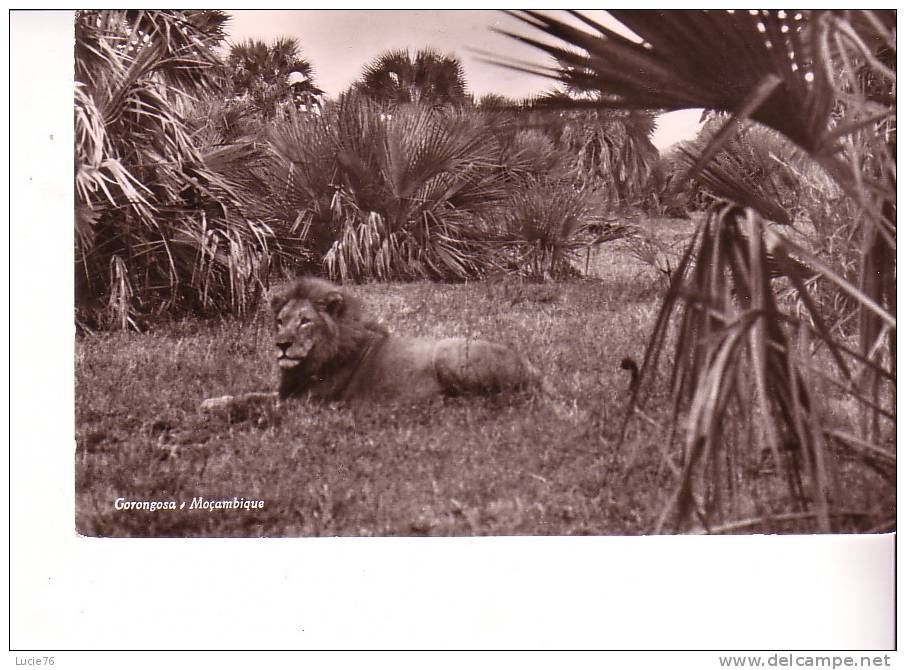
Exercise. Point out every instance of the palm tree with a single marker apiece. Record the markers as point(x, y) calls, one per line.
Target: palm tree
point(185, 38)
point(430, 78)
point(610, 151)
point(159, 221)
point(271, 74)
point(758, 363)
point(491, 102)
point(612, 148)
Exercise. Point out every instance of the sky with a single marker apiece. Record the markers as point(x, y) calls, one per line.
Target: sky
point(339, 43)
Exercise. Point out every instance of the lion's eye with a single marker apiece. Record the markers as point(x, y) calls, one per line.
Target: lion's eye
point(303, 321)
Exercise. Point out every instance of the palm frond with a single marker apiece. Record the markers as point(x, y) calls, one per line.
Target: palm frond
point(732, 330)
point(164, 219)
point(672, 67)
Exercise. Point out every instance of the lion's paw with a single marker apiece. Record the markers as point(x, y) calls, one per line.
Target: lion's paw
point(218, 404)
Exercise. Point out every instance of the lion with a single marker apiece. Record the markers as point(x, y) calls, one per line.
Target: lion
point(327, 349)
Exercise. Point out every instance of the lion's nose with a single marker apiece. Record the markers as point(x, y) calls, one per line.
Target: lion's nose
point(284, 347)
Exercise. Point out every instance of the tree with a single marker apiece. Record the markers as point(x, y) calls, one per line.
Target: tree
point(394, 78)
point(491, 102)
point(752, 356)
point(159, 219)
point(271, 74)
point(612, 148)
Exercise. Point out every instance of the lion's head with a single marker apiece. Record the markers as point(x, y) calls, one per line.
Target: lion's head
point(318, 326)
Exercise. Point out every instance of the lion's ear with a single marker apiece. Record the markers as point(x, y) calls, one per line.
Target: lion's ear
point(334, 303)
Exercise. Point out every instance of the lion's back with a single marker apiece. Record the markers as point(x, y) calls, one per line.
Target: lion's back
point(410, 368)
point(402, 368)
point(479, 366)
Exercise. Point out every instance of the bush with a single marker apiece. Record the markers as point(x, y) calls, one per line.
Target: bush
point(162, 221)
point(547, 223)
point(392, 195)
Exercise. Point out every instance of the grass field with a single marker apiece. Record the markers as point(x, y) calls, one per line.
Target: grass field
point(504, 465)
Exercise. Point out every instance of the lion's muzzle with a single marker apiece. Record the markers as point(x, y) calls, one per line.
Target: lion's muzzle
point(291, 353)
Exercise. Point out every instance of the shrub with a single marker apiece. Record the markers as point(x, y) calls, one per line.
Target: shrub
point(547, 223)
point(607, 150)
point(390, 196)
point(161, 223)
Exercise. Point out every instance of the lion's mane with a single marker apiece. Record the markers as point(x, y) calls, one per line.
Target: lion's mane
point(345, 331)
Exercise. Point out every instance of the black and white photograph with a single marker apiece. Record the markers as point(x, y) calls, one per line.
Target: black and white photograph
point(601, 276)
point(500, 276)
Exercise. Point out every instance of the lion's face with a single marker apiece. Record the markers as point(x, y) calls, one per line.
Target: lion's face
point(318, 330)
point(302, 331)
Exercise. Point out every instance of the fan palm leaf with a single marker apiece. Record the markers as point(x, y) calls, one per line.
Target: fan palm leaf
point(673, 67)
